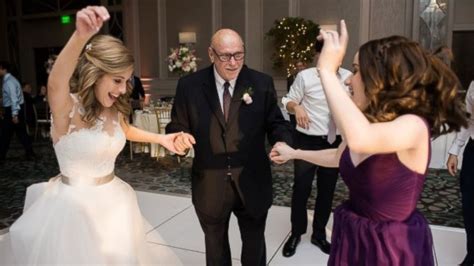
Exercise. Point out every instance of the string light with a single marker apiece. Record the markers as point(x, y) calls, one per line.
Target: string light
point(295, 41)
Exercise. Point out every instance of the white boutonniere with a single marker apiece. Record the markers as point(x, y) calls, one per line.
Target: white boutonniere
point(247, 96)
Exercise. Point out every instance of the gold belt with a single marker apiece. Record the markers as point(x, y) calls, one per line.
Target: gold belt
point(96, 181)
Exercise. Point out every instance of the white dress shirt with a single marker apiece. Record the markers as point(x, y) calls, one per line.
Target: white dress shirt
point(308, 92)
point(465, 133)
point(220, 87)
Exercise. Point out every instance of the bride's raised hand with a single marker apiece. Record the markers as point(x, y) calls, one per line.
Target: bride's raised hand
point(334, 48)
point(89, 20)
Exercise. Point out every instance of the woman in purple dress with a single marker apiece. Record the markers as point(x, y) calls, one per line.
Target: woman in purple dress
point(401, 95)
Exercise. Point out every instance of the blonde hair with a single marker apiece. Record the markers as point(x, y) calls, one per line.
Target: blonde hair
point(103, 55)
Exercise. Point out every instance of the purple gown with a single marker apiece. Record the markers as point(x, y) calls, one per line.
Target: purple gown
point(379, 224)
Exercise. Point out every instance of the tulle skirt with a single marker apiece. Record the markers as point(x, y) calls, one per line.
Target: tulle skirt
point(91, 225)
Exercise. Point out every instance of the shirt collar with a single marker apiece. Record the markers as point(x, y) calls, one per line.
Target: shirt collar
point(220, 81)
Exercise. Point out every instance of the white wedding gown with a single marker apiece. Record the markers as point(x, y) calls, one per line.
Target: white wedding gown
point(82, 223)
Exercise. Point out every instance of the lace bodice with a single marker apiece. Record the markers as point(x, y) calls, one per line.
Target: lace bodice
point(88, 152)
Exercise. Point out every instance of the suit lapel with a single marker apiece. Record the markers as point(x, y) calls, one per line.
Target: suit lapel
point(210, 90)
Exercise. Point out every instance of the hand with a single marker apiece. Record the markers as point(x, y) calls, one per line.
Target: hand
point(452, 164)
point(302, 118)
point(281, 153)
point(334, 48)
point(89, 20)
point(183, 142)
point(168, 140)
point(15, 119)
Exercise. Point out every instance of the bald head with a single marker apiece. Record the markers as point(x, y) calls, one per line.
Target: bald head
point(227, 53)
point(226, 37)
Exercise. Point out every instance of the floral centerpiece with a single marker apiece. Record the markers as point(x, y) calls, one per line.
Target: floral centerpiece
point(182, 60)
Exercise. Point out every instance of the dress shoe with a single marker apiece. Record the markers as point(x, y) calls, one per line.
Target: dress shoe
point(289, 248)
point(322, 244)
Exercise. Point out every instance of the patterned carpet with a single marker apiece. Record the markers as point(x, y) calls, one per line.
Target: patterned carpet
point(440, 201)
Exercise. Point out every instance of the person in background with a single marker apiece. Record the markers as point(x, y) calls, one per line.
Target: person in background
point(41, 96)
point(300, 65)
point(14, 114)
point(29, 102)
point(466, 176)
point(138, 92)
point(306, 100)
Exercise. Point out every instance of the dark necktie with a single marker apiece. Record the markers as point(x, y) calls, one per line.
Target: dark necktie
point(226, 100)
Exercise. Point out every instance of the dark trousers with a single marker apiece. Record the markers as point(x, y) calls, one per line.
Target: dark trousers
point(252, 231)
point(325, 185)
point(8, 128)
point(467, 198)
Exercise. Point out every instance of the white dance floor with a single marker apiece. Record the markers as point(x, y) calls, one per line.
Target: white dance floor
point(175, 235)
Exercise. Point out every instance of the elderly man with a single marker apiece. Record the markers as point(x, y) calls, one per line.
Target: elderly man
point(229, 109)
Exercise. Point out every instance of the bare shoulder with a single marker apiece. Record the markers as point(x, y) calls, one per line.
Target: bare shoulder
point(414, 122)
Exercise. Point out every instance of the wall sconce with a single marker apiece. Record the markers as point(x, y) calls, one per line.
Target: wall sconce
point(328, 27)
point(187, 37)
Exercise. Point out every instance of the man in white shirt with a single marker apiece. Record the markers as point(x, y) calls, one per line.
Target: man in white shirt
point(306, 99)
point(467, 174)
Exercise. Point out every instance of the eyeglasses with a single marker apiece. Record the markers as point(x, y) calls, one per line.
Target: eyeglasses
point(226, 57)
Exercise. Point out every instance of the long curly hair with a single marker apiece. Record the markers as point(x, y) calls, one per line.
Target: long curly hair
point(401, 77)
point(103, 54)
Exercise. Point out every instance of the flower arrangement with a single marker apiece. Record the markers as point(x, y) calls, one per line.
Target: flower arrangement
point(293, 39)
point(48, 65)
point(182, 60)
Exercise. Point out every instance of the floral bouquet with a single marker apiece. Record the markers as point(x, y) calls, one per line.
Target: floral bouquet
point(48, 65)
point(182, 60)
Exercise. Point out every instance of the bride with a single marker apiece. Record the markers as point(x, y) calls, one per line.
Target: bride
point(87, 215)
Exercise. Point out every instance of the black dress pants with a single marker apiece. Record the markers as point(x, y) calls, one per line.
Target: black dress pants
point(252, 230)
point(8, 128)
point(325, 185)
point(467, 198)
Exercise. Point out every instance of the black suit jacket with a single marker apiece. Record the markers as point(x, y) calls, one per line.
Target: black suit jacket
point(237, 146)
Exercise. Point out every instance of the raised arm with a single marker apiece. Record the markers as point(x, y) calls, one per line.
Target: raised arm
point(404, 133)
point(88, 22)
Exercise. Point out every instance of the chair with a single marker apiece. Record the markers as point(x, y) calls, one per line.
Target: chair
point(42, 116)
point(163, 117)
